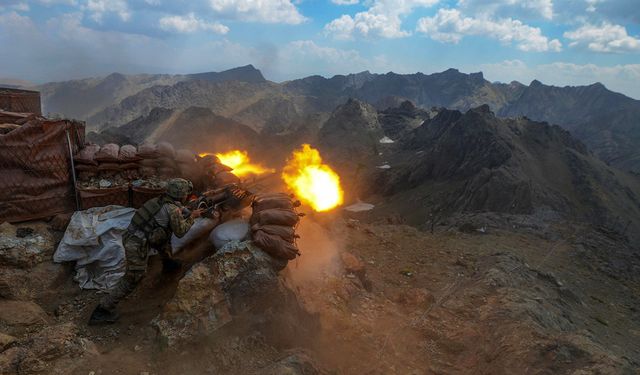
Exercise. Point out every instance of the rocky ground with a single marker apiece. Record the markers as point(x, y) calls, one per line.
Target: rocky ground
point(479, 295)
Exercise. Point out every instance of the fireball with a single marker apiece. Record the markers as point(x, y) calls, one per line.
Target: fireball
point(314, 183)
point(240, 162)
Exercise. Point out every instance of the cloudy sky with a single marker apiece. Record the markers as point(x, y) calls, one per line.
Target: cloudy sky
point(559, 42)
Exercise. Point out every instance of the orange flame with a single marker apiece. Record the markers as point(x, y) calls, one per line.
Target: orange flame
point(313, 182)
point(240, 162)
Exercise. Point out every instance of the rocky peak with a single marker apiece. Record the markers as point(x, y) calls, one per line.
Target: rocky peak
point(247, 73)
point(535, 84)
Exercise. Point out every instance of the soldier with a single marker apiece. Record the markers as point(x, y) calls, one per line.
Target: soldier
point(151, 226)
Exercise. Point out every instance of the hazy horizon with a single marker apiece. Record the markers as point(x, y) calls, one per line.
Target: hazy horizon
point(556, 42)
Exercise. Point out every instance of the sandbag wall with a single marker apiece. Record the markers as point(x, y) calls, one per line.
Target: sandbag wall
point(273, 223)
point(129, 176)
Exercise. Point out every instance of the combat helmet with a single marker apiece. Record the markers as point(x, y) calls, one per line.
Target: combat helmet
point(179, 188)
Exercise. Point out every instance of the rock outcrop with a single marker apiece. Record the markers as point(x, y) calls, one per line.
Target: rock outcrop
point(352, 133)
point(235, 290)
point(477, 162)
point(45, 351)
point(24, 248)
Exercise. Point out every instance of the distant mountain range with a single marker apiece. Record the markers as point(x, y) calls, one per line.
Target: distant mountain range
point(477, 162)
point(607, 122)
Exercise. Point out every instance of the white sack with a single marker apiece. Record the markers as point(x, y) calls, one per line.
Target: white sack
point(233, 230)
point(201, 227)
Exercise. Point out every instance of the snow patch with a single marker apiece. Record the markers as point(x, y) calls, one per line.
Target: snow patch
point(386, 139)
point(359, 207)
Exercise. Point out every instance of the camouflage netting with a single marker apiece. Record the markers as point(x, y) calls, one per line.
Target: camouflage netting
point(36, 168)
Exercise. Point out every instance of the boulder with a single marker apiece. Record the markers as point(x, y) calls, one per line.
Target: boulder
point(28, 284)
point(25, 251)
point(238, 283)
point(5, 341)
point(297, 363)
point(21, 314)
point(37, 352)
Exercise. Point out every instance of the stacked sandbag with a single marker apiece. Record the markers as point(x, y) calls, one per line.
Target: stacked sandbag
point(273, 224)
point(108, 163)
point(100, 182)
point(129, 162)
point(148, 155)
point(86, 163)
point(167, 166)
point(187, 164)
point(213, 173)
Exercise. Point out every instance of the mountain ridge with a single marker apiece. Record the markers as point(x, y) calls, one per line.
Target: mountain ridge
point(606, 121)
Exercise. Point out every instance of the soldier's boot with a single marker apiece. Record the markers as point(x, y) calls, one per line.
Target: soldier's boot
point(102, 315)
point(105, 312)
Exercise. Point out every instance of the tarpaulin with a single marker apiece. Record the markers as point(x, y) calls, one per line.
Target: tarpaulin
point(93, 240)
point(35, 168)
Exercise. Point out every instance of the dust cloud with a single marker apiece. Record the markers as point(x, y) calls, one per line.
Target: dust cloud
point(320, 253)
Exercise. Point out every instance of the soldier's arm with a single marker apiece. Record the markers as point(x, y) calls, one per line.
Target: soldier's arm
point(179, 225)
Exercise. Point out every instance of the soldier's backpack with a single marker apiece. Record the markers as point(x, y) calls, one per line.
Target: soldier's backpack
point(144, 219)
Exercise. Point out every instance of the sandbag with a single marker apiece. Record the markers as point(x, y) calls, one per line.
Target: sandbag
point(286, 233)
point(129, 166)
point(219, 167)
point(108, 153)
point(147, 172)
point(200, 228)
point(233, 230)
point(150, 162)
point(87, 155)
point(128, 153)
point(275, 246)
point(166, 149)
point(185, 156)
point(165, 162)
point(189, 171)
point(275, 216)
point(262, 197)
point(109, 167)
point(285, 203)
point(86, 168)
point(226, 178)
point(147, 151)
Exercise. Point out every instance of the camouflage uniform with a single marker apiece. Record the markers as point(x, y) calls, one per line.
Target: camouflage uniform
point(137, 242)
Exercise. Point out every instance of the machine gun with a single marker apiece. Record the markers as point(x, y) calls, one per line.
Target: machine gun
point(222, 200)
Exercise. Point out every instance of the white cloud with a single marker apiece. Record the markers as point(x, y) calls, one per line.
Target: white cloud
point(21, 7)
point(329, 54)
point(382, 19)
point(620, 78)
point(56, 2)
point(302, 58)
point(450, 26)
point(591, 5)
point(503, 8)
point(14, 21)
point(267, 11)
point(190, 24)
point(98, 8)
point(604, 38)
point(345, 2)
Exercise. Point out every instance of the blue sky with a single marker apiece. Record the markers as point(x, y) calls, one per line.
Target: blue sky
point(570, 42)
